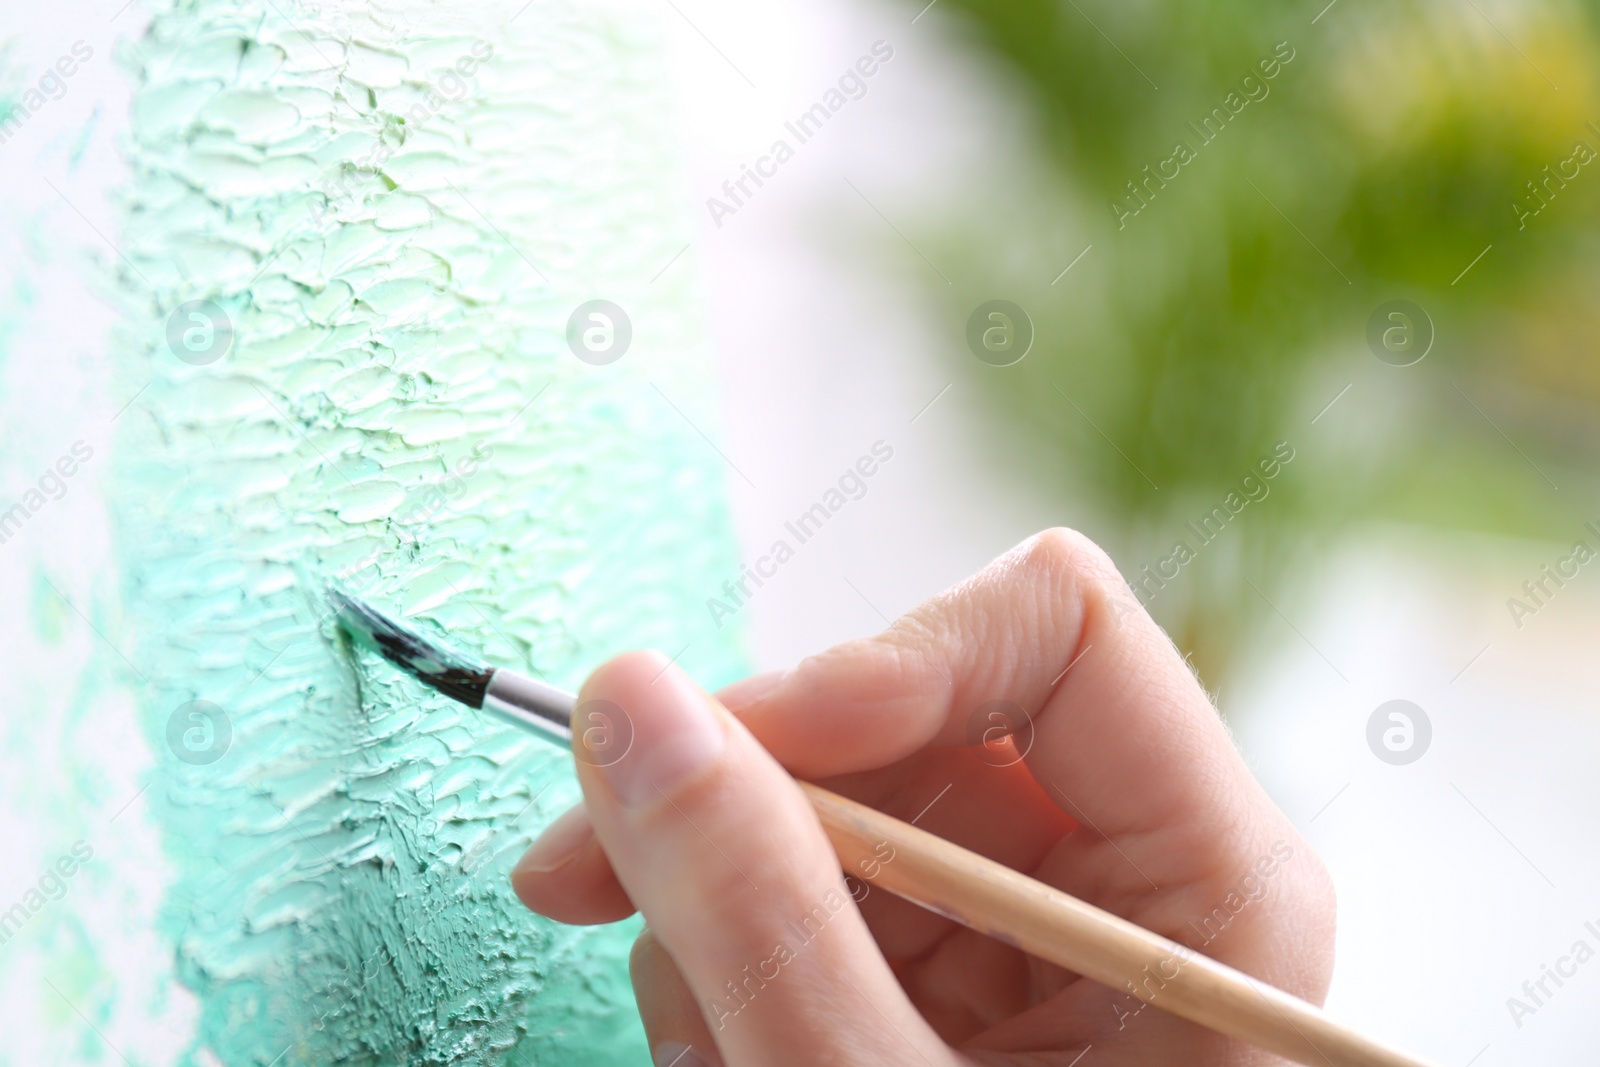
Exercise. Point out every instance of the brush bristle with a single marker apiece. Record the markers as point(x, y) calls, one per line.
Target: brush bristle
point(455, 675)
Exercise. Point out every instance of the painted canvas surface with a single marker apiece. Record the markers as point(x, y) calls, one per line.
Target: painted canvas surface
point(294, 292)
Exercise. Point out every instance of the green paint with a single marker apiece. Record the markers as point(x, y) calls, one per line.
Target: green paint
point(398, 411)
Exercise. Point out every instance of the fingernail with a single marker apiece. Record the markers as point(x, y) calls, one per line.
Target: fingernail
point(560, 842)
point(741, 694)
point(675, 732)
point(676, 1054)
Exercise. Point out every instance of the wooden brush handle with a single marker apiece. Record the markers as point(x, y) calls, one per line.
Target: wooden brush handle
point(1047, 923)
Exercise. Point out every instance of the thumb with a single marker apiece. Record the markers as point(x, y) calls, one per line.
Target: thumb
point(725, 858)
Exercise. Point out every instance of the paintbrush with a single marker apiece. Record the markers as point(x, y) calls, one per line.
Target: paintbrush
point(945, 878)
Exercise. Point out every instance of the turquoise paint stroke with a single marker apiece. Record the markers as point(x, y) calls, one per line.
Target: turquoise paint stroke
point(398, 410)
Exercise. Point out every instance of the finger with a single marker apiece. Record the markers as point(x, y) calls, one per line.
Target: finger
point(1009, 633)
point(563, 878)
point(565, 875)
point(1124, 740)
point(672, 1020)
point(953, 794)
point(726, 859)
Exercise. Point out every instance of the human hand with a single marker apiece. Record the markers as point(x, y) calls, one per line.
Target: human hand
point(1129, 794)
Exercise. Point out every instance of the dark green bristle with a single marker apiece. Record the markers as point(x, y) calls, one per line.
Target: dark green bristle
point(455, 675)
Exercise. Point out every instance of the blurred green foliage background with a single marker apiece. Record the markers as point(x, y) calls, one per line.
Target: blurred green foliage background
point(1391, 150)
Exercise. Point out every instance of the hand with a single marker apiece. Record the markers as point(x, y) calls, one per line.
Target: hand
point(1129, 795)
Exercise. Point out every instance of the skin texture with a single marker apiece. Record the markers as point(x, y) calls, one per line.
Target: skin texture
point(1130, 795)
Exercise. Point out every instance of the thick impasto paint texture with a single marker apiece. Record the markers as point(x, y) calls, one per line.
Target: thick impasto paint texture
point(387, 213)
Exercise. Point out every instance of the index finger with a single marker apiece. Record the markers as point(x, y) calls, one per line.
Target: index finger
point(1125, 740)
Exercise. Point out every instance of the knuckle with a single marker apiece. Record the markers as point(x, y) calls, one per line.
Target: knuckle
point(1064, 559)
point(1069, 568)
point(1061, 551)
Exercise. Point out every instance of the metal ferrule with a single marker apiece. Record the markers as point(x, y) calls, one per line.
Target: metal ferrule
point(532, 705)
